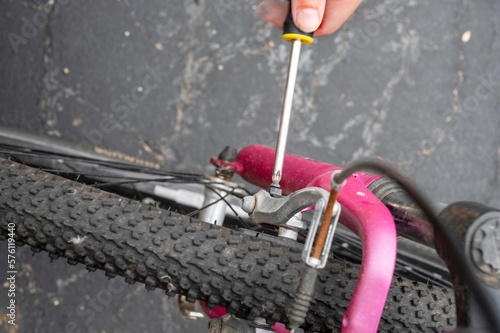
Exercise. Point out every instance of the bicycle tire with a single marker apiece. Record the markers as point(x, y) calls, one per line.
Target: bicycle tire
point(248, 274)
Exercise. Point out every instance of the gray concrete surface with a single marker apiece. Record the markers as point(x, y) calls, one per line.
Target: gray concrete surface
point(416, 82)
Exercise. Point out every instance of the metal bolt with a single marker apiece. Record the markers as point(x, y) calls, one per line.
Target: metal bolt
point(275, 191)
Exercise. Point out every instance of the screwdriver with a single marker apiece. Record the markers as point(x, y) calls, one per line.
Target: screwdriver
point(297, 37)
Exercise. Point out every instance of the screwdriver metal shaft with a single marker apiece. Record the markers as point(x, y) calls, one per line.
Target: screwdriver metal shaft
point(286, 112)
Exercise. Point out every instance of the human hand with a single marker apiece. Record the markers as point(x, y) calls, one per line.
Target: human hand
point(322, 16)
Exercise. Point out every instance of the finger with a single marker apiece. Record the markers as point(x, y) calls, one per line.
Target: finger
point(336, 13)
point(273, 12)
point(308, 14)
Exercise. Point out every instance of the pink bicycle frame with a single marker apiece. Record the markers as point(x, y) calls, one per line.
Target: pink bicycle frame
point(361, 212)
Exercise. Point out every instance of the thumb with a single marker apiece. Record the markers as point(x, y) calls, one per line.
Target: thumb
point(308, 14)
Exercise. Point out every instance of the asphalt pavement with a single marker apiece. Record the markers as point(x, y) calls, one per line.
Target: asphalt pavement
point(172, 82)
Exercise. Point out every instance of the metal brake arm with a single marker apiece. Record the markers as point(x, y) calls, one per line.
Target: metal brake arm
point(263, 208)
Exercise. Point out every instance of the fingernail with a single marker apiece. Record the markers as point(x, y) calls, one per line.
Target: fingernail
point(307, 19)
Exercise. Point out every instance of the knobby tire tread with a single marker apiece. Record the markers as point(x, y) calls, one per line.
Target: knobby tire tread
point(246, 274)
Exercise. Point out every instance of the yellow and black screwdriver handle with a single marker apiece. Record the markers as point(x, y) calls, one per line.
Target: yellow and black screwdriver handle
point(291, 32)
